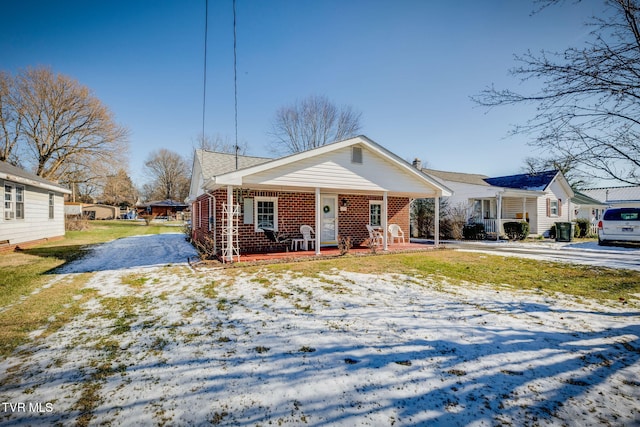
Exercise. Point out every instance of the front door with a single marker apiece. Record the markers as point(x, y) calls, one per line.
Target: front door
point(329, 233)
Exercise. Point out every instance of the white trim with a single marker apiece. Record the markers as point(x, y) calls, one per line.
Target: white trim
point(258, 199)
point(376, 202)
point(236, 177)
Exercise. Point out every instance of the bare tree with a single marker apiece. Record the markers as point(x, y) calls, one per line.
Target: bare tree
point(56, 126)
point(311, 123)
point(119, 190)
point(219, 143)
point(169, 173)
point(10, 121)
point(587, 109)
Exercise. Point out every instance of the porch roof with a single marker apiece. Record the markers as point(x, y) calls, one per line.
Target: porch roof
point(331, 168)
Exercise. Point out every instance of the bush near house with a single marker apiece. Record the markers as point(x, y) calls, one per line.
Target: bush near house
point(474, 232)
point(516, 230)
point(583, 226)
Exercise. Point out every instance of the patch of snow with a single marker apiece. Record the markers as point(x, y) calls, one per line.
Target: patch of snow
point(236, 348)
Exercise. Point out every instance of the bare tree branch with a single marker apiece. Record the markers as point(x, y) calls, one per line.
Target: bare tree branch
point(588, 107)
point(311, 123)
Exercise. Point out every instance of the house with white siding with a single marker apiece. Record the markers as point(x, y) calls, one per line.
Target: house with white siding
point(32, 208)
point(338, 190)
point(541, 199)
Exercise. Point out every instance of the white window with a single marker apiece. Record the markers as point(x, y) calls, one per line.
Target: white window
point(266, 213)
point(375, 213)
point(211, 213)
point(51, 205)
point(553, 208)
point(8, 202)
point(13, 202)
point(199, 215)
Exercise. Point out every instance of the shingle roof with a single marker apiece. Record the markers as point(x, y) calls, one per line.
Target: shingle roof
point(14, 173)
point(214, 164)
point(167, 202)
point(526, 181)
point(466, 178)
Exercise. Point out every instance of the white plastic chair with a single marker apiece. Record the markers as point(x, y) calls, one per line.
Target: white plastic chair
point(374, 235)
point(306, 231)
point(396, 232)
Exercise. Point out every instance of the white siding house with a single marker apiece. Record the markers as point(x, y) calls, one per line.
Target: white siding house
point(541, 199)
point(32, 208)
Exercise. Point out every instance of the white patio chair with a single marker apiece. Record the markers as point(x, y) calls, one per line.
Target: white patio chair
point(374, 235)
point(307, 231)
point(396, 232)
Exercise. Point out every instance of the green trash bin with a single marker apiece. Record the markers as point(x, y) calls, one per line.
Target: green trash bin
point(564, 231)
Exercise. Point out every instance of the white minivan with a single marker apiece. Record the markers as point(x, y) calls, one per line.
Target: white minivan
point(619, 225)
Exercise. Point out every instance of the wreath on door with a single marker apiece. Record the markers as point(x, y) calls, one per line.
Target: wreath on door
point(326, 209)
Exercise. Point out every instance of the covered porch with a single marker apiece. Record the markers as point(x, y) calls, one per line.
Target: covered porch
point(505, 206)
point(262, 223)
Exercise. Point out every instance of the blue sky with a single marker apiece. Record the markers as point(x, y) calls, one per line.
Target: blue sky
point(408, 66)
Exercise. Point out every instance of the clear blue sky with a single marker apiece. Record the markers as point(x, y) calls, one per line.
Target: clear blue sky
point(408, 66)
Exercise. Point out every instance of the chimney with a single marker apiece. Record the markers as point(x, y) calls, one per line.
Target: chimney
point(417, 163)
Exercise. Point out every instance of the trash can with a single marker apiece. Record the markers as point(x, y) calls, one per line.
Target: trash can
point(564, 231)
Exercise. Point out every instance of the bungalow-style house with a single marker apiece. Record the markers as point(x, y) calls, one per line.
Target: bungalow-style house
point(162, 208)
point(32, 208)
point(337, 189)
point(541, 199)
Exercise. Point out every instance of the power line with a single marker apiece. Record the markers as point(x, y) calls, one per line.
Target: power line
point(204, 78)
point(235, 80)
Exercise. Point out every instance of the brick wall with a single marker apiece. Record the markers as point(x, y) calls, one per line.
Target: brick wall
point(294, 210)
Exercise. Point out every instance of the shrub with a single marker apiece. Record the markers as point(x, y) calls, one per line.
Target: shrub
point(344, 244)
point(583, 227)
point(76, 224)
point(516, 230)
point(473, 231)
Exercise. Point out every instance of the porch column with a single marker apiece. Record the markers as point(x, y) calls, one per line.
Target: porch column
point(318, 221)
point(498, 215)
point(436, 221)
point(524, 209)
point(229, 223)
point(385, 238)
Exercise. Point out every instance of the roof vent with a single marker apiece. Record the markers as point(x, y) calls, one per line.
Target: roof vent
point(417, 163)
point(356, 155)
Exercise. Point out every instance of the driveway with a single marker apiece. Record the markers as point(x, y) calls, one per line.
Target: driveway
point(136, 251)
point(588, 253)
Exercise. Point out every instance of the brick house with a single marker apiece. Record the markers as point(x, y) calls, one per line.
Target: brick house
point(337, 189)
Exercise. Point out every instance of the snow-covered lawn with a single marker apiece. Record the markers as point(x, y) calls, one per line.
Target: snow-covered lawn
point(163, 344)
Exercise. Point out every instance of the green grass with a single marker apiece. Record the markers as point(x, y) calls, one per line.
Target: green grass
point(466, 267)
point(25, 271)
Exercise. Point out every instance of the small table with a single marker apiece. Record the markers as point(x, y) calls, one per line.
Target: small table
point(296, 244)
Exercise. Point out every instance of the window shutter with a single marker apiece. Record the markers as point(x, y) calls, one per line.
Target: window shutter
point(559, 207)
point(548, 207)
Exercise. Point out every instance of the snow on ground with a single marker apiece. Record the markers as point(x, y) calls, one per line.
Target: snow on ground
point(162, 344)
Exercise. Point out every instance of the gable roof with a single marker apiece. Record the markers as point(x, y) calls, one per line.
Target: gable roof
point(15, 174)
point(526, 181)
point(264, 170)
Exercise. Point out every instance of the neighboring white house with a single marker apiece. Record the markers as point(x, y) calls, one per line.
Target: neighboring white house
point(32, 208)
point(619, 197)
point(541, 199)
